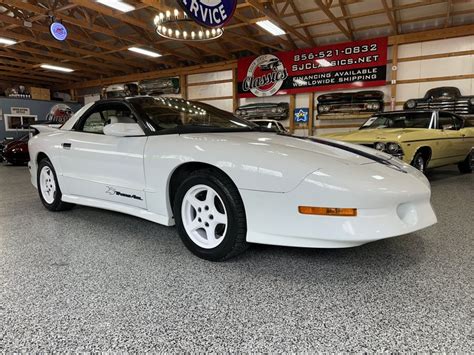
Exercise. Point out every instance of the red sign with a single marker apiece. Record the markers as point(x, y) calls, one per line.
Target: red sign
point(340, 66)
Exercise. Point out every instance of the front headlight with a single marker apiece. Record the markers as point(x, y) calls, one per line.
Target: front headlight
point(238, 112)
point(274, 110)
point(369, 106)
point(392, 148)
point(411, 104)
point(380, 146)
point(375, 106)
point(280, 109)
point(471, 101)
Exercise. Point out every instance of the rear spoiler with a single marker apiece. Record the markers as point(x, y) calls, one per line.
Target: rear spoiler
point(46, 128)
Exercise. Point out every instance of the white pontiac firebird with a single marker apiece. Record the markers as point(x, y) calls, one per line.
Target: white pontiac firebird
point(224, 181)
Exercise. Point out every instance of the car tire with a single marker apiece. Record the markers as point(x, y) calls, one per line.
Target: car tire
point(210, 215)
point(48, 187)
point(419, 162)
point(465, 167)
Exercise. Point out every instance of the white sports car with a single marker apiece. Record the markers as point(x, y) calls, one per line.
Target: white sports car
point(225, 181)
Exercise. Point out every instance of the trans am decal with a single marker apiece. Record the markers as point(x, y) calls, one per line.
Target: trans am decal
point(113, 192)
point(341, 66)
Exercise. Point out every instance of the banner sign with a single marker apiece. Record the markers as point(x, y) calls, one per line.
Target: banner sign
point(301, 115)
point(340, 66)
point(209, 13)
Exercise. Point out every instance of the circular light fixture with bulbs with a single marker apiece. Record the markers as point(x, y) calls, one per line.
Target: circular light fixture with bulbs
point(178, 26)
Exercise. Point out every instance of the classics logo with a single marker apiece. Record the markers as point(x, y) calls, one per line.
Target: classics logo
point(209, 13)
point(265, 76)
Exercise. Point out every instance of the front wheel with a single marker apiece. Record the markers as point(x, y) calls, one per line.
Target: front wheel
point(210, 216)
point(465, 167)
point(48, 188)
point(419, 162)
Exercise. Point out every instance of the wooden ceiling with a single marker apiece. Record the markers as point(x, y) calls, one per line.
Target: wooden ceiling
point(99, 37)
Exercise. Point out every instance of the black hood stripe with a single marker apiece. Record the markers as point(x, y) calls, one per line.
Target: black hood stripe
point(373, 157)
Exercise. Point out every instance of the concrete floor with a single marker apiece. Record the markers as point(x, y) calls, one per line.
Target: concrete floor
point(94, 280)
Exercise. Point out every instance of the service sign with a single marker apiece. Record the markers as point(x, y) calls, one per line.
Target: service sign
point(341, 66)
point(209, 13)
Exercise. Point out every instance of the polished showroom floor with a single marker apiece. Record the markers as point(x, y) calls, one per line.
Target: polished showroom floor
point(94, 280)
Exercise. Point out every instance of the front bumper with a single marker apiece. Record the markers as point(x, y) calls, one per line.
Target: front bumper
point(384, 210)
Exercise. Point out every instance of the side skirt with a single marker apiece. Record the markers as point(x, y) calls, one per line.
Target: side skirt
point(130, 210)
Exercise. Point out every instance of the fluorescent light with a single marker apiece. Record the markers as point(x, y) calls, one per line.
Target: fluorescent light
point(56, 68)
point(271, 27)
point(7, 41)
point(145, 52)
point(117, 5)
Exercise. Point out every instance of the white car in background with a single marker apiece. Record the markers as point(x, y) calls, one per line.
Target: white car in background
point(225, 182)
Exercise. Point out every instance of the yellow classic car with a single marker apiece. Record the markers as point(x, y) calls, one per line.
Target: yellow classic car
point(424, 139)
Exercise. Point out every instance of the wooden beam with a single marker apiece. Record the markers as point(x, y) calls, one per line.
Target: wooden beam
point(333, 18)
point(301, 20)
point(291, 113)
point(347, 19)
point(458, 31)
point(390, 16)
point(139, 23)
point(274, 17)
point(203, 68)
point(311, 114)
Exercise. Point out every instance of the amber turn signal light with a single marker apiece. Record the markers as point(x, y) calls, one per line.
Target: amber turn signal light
point(328, 211)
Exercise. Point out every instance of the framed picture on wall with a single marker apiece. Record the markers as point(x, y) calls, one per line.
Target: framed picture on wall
point(19, 122)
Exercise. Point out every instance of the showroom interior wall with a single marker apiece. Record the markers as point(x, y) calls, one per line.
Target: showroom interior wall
point(38, 108)
point(421, 66)
point(417, 66)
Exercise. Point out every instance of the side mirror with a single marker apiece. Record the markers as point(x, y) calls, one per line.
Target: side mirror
point(123, 130)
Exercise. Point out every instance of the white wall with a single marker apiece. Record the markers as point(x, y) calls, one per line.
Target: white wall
point(201, 88)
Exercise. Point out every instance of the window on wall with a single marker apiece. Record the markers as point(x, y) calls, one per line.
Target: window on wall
point(19, 122)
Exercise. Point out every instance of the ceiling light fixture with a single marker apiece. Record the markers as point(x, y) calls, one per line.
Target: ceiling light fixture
point(271, 27)
point(56, 68)
point(178, 26)
point(7, 41)
point(117, 5)
point(144, 52)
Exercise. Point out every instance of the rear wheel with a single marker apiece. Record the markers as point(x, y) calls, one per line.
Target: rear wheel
point(465, 167)
point(48, 187)
point(210, 216)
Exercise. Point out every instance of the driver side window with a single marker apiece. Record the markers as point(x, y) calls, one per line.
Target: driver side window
point(446, 121)
point(103, 115)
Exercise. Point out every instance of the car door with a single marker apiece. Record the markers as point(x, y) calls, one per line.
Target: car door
point(103, 167)
point(453, 147)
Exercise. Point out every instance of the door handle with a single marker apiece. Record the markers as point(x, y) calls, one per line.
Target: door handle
point(66, 145)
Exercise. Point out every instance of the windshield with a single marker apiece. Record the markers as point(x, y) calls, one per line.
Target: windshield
point(400, 120)
point(171, 114)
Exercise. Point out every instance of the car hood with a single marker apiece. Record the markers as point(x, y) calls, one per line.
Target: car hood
point(372, 135)
point(275, 162)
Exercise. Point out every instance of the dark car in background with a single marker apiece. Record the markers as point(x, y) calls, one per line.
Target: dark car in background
point(444, 98)
point(276, 111)
point(15, 151)
point(160, 86)
point(347, 105)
